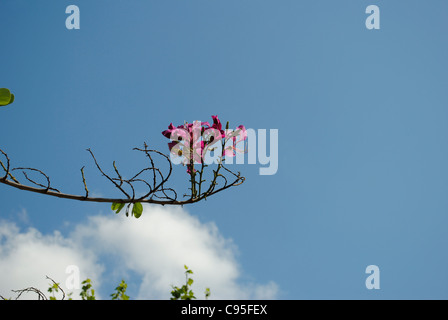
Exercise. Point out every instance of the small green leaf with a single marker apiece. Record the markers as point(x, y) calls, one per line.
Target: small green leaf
point(116, 206)
point(5, 97)
point(127, 210)
point(137, 210)
point(207, 293)
point(190, 281)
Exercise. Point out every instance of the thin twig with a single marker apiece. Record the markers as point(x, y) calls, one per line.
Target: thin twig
point(105, 175)
point(57, 285)
point(84, 182)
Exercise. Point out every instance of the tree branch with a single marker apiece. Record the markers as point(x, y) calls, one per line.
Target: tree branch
point(158, 192)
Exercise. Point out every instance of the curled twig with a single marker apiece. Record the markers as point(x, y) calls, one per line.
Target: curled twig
point(47, 187)
point(40, 294)
point(6, 169)
point(58, 286)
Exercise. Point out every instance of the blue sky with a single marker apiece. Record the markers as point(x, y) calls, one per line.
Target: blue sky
point(361, 114)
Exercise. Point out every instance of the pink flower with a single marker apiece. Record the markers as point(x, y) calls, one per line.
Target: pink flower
point(167, 133)
point(193, 140)
point(240, 132)
point(218, 126)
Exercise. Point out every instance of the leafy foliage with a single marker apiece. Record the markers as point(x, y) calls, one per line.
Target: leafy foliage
point(120, 291)
point(184, 292)
point(117, 207)
point(88, 293)
point(6, 97)
point(137, 208)
point(52, 289)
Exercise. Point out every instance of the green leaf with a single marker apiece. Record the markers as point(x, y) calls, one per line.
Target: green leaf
point(5, 97)
point(207, 293)
point(116, 206)
point(137, 210)
point(190, 281)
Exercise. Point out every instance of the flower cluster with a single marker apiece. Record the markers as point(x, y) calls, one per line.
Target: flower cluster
point(191, 141)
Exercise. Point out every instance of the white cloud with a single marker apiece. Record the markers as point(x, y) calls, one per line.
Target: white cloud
point(155, 247)
point(27, 257)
